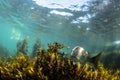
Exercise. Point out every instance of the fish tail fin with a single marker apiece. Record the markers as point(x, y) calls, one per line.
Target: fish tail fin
point(94, 60)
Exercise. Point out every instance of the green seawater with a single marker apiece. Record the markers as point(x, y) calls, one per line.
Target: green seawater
point(92, 24)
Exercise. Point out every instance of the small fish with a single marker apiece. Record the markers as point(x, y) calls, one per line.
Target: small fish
point(80, 54)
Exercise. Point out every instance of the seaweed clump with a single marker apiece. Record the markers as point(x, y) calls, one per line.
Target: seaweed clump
point(55, 47)
point(51, 66)
point(20, 69)
point(36, 47)
point(22, 46)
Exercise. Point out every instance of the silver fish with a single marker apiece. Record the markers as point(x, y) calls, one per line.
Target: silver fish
point(80, 54)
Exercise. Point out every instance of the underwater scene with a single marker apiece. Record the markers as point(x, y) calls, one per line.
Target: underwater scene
point(59, 39)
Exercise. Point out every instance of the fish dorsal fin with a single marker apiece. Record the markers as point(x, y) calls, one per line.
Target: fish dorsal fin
point(94, 60)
